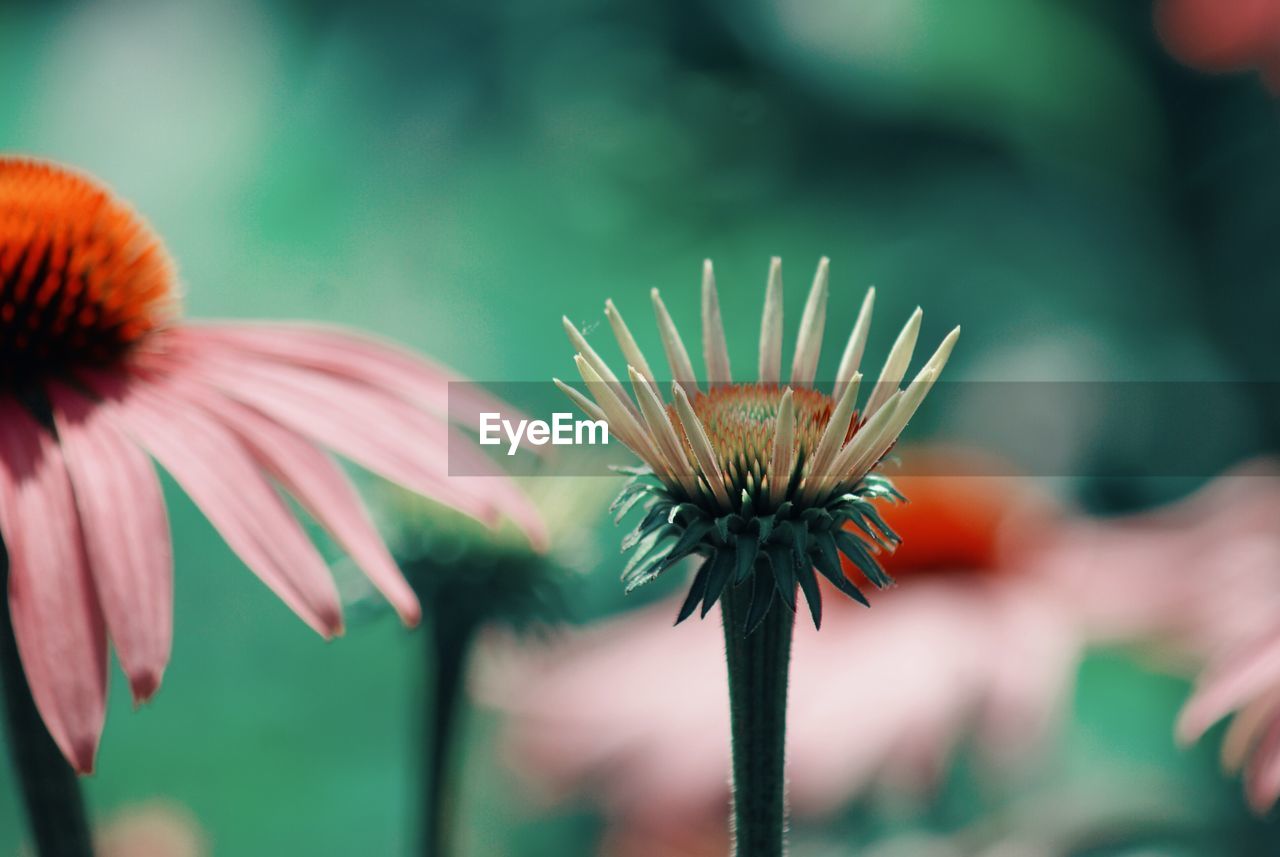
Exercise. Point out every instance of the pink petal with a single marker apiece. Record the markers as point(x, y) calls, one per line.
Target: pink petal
point(126, 535)
point(1262, 778)
point(375, 429)
point(322, 489)
point(221, 476)
point(356, 357)
point(1233, 683)
point(1246, 729)
point(56, 616)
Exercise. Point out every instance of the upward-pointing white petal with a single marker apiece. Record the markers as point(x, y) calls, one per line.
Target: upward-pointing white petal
point(906, 409)
point(804, 366)
point(714, 349)
point(702, 449)
point(677, 354)
point(783, 459)
point(601, 368)
point(621, 421)
point(584, 404)
point(663, 433)
point(634, 356)
point(832, 436)
point(852, 357)
point(895, 365)
point(771, 327)
point(865, 439)
point(941, 356)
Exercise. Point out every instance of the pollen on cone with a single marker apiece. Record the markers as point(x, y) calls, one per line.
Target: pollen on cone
point(82, 276)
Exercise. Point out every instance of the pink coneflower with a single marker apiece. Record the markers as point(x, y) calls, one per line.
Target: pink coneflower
point(97, 373)
point(1197, 585)
point(1223, 35)
point(972, 643)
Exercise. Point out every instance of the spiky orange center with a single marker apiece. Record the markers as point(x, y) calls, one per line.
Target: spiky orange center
point(82, 277)
point(741, 422)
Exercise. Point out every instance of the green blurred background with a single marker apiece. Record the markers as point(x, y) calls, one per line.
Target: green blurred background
point(457, 175)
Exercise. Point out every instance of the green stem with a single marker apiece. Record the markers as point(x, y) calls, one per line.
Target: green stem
point(50, 788)
point(758, 664)
point(448, 641)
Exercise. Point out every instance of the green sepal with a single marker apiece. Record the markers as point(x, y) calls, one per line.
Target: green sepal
point(765, 528)
point(621, 509)
point(812, 594)
point(697, 590)
point(869, 511)
point(818, 519)
point(721, 565)
point(762, 593)
point(854, 548)
point(691, 536)
point(692, 510)
point(632, 470)
point(745, 558)
point(784, 573)
point(834, 572)
point(861, 523)
point(656, 517)
point(645, 554)
point(827, 552)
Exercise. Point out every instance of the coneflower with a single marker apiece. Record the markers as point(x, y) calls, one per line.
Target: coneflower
point(97, 375)
point(758, 480)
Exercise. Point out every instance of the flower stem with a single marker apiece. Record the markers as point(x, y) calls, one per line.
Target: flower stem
point(50, 789)
point(448, 640)
point(758, 664)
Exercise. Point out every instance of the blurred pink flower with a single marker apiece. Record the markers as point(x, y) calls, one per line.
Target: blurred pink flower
point(1198, 585)
point(1223, 35)
point(636, 711)
point(96, 373)
point(154, 829)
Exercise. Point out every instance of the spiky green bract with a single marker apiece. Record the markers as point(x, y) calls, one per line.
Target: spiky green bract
point(774, 551)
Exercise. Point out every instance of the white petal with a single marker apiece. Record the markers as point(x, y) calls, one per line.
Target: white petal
point(771, 327)
point(809, 342)
point(601, 368)
point(857, 448)
point(677, 355)
point(941, 356)
point(910, 402)
point(784, 450)
point(832, 437)
point(702, 449)
point(895, 365)
point(857, 344)
point(626, 341)
point(621, 422)
point(663, 433)
point(584, 404)
point(714, 349)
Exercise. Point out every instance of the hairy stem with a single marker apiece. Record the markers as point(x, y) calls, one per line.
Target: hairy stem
point(50, 788)
point(448, 643)
point(758, 664)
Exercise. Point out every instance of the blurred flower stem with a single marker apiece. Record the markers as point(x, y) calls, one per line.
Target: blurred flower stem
point(448, 637)
point(50, 789)
point(758, 664)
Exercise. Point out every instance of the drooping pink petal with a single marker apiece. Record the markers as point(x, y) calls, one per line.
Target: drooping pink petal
point(371, 427)
point(126, 534)
point(322, 489)
point(221, 476)
point(1233, 683)
point(1262, 776)
point(356, 357)
point(57, 620)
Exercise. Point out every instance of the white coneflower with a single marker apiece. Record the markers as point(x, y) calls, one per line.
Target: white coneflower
point(767, 468)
